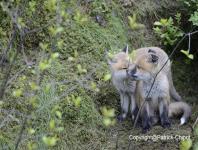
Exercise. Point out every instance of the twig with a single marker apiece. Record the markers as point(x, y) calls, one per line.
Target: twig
point(117, 141)
point(189, 40)
point(21, 133)
point(7, 74)
point(15, 76)
point(194, 124)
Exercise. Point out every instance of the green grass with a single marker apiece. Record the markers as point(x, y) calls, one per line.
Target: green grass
point(86, 43)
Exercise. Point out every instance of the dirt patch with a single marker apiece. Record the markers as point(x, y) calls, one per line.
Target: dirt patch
point(123, 136)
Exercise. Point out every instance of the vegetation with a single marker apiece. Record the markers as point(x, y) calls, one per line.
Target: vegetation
point(55, 88)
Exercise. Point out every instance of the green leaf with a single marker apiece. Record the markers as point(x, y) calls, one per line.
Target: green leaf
point(55, 55)
point(52, 124)
point(60, 129)
point(80, 69)
point(32, 5)
point(157, 23)
point(59, 29)
point(77, 101)
point(107, 121)
point(60, 44)
point(110, 55)
point(1, 103)
point(47, 88)
point(107, 77)
point(17, 93)
point(186, 52)
point(71, 59)
point(33, 101)
point(52, 30)
point(33, 86)
point(133, 23)
point(20, 22)
point(49, 141)
point(43, 46)
point(185, 144)
point(59, 114)
point(80, 18)
point(194, 18)
point(191, 56)
point(107, 112)
point(50, 5)
point(31, 146)
point(43, 65)
point(31, 131)
point(76, 53)
point(164, 21)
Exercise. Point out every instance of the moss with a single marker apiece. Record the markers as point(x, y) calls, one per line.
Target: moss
point(86, 42)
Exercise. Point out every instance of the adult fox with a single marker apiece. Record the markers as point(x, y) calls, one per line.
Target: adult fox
point(126, 86)
point(157, 103)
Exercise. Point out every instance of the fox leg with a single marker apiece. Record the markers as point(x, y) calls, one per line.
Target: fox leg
point(124, 99)
point(145, 116)
point(133, 107)
point(163, 110)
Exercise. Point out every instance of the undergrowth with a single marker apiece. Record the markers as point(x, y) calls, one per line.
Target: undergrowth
point(61, 97)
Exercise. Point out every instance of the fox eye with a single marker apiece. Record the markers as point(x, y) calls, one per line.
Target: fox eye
point(124, 68)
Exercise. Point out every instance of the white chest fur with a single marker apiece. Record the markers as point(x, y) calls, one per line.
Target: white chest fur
point(160, 87)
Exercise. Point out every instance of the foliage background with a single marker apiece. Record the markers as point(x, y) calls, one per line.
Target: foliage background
point(54, 75)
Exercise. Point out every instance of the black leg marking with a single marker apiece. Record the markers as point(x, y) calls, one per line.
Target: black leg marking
point(135, 112)
point(120, 117)
point(146, 123)
point(165, 122)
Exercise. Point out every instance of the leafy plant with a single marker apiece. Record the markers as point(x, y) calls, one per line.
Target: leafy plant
point(185, 144)
point(187, 53)
point(167, 31)
point(134, 24)
point(108, 116)
point(194, 18)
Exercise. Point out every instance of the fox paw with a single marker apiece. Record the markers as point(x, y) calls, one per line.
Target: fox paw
point(120, 118)
point(146, 129)
point(166, 124)
point(138, 124)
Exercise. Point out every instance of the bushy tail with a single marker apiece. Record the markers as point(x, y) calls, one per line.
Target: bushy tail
point(173, 92)
point(178, 109)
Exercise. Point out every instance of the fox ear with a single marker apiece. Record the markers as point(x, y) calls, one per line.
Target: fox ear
point(154, 58)
point(151, 51)
point(126, 49)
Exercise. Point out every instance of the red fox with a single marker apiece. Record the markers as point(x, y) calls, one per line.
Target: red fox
point(124, 85)
point(147, 66)
point(163, 57)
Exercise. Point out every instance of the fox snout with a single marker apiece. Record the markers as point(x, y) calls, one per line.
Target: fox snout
point(132, 72)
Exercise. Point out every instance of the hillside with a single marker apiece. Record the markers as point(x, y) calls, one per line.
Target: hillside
point(54, 72)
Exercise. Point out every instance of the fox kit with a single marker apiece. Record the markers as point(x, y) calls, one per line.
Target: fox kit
point(158, 101)
point(163, 57)
point(123, 83)
point(125, 86)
